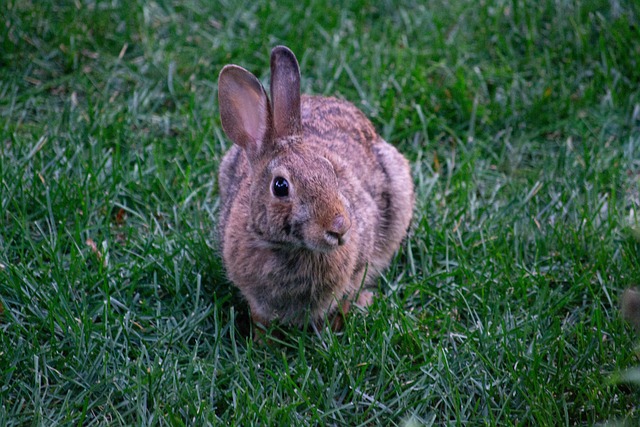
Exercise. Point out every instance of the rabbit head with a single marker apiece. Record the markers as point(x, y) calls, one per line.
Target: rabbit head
point(295, 199)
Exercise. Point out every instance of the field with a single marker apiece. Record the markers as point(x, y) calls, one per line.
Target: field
point(521, 120)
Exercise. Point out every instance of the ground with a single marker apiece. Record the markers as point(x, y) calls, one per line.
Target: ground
point(522, 124)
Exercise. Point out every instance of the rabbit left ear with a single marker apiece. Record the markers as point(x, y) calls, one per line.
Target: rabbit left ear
point(285, 92)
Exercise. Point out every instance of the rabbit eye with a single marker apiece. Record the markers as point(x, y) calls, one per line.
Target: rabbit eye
point(280, 187)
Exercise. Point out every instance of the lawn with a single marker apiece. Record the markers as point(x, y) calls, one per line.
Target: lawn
point(521, 120)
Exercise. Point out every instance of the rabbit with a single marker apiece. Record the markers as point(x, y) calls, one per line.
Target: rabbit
point(313, 203)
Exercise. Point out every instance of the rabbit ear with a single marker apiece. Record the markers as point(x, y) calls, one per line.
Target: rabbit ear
point(285, 92)
point(244, 109)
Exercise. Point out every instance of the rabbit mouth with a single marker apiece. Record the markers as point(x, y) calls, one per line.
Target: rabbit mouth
point(330, 241)
point(336, 230)
point(333, 239)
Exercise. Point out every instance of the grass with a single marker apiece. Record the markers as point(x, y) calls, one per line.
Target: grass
point(522, 122)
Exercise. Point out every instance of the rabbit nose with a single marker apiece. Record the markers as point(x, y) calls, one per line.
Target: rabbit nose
point(337, 231)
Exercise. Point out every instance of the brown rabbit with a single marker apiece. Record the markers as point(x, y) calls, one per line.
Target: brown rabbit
point(313, 203)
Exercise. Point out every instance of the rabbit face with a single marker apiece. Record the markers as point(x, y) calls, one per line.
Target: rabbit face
point(297, 201)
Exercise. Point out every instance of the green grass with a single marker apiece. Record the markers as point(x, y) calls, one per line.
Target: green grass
point(522, 122)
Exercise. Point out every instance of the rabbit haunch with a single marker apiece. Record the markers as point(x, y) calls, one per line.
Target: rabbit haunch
point(309, 249)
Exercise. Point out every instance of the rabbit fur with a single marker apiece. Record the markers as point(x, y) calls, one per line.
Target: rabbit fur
point(308, 248)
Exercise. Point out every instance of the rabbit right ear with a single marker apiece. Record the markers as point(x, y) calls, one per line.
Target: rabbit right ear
point(244, 109)
point(285, 92)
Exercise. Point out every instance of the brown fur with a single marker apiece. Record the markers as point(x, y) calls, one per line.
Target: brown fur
point(349, 205)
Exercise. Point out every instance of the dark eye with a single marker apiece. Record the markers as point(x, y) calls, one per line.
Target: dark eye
point(280, 187)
